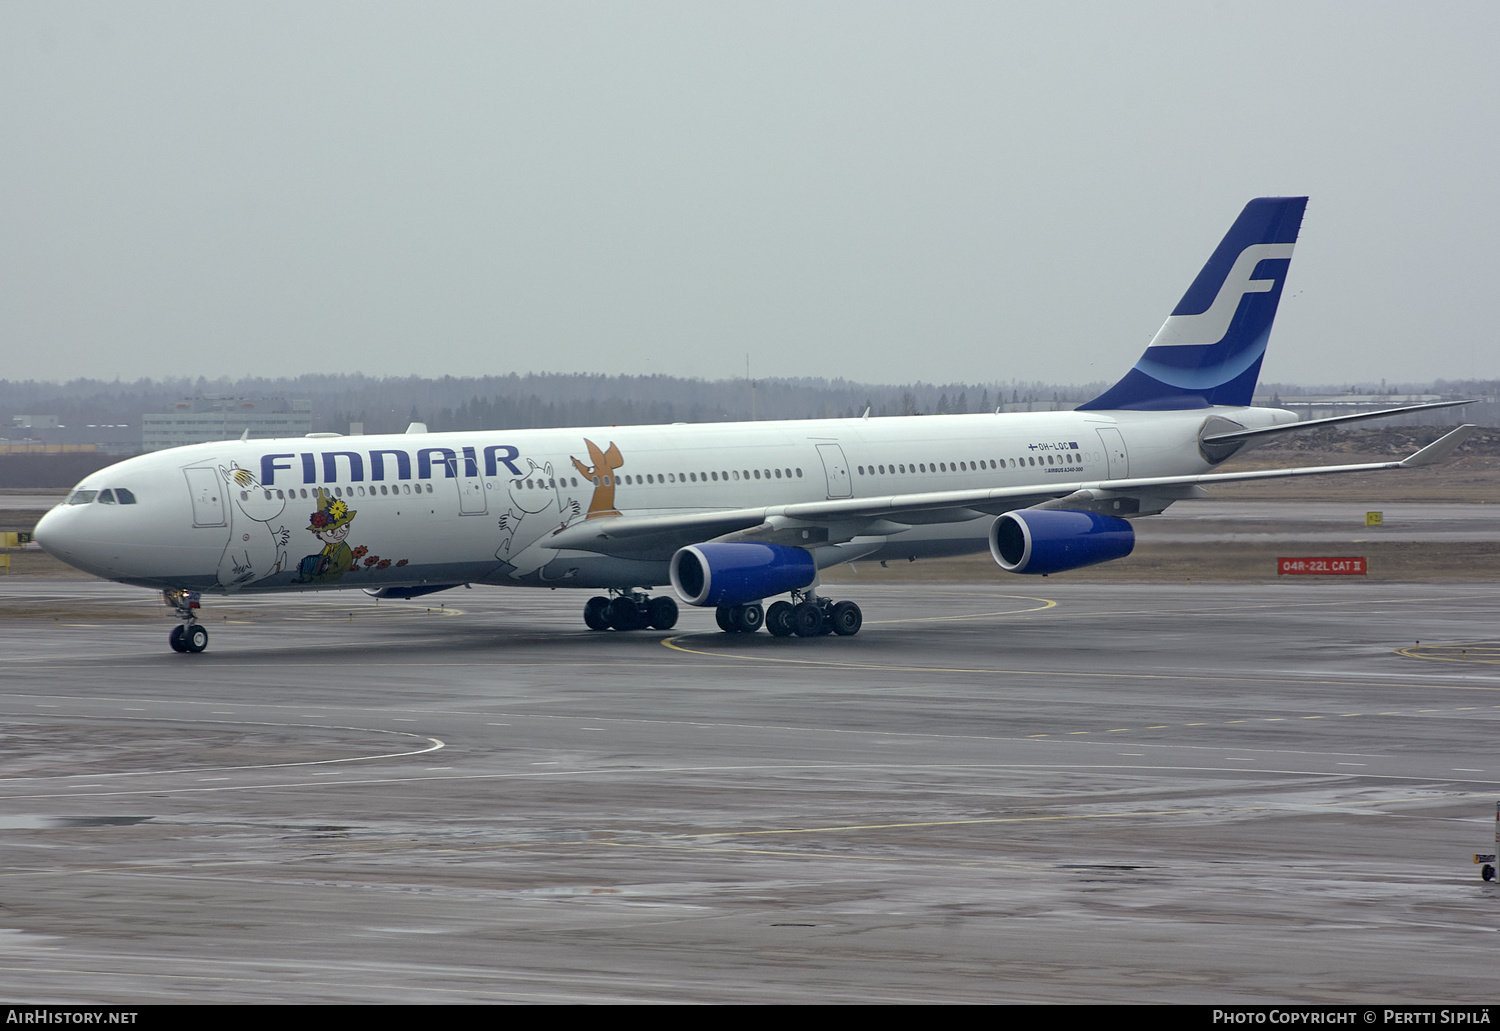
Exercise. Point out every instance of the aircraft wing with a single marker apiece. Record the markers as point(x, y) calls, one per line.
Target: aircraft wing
point(838, 520)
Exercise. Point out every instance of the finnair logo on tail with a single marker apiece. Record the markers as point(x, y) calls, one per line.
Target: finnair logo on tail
point(1210, 326)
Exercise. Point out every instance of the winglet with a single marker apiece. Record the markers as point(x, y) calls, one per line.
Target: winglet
point(1441, 448)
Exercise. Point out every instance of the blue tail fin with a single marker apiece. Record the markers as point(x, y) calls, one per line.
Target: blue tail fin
point(1209, 350)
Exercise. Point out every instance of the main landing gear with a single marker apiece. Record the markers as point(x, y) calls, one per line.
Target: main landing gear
point(805, 615)
point(630, 610)
point(189, 635)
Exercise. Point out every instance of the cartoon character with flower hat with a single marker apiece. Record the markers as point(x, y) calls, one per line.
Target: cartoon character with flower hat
point(331, 525)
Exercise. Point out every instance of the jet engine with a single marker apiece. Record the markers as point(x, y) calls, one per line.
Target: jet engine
point(737, 573)
point(1041, 540)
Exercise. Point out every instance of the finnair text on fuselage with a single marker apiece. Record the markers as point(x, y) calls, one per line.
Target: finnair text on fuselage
point(394, 460)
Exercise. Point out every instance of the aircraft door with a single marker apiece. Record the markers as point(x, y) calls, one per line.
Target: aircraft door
point(836, 467)
point(471, 499)
point(1115, 453)
point(207, 490)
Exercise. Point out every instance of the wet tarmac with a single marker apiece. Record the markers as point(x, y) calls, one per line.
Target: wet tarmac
point(1024, 792)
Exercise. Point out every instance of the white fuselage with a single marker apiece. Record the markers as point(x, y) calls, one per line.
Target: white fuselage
point(332, 511)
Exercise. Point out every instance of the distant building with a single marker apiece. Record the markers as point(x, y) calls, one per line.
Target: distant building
point(34, 422)
point(198, 420)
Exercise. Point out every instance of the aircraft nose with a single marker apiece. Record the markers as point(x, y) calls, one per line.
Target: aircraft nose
point(50, 535)
point(65, 534)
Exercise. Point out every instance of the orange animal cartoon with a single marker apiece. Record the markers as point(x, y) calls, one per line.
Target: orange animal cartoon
point(602, 473)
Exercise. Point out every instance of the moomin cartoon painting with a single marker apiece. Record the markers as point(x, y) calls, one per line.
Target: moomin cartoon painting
point(255, 549)
point(331, 524)
point(539, 507)
point(541, 504)
point(602, 473)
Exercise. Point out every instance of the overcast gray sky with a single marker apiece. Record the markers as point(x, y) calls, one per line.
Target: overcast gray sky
point(887, 192)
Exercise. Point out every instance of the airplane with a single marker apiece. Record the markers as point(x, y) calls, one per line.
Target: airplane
point(729, 514)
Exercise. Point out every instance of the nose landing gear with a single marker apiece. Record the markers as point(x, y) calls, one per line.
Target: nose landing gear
point(189, 635)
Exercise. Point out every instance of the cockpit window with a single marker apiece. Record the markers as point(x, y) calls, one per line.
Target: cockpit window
point(106, 497)
point(82, 497)
point(124, 496)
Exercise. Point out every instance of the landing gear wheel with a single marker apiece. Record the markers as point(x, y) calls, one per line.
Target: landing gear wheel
point(846, 619)
point(596, 613)
point(195, 638)
point(175, 638)
point(663, 613)
point(625, 614)
point(748, 618)
point(807, 619)
point(724, 616)
point(779, 619)
point(1487, 872)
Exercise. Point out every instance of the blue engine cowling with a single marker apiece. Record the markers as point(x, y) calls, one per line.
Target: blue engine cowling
point(1051, 540)
point(736, 573)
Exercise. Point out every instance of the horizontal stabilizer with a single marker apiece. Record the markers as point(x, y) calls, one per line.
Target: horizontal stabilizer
point(1307, 424)
point(1439, 449)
